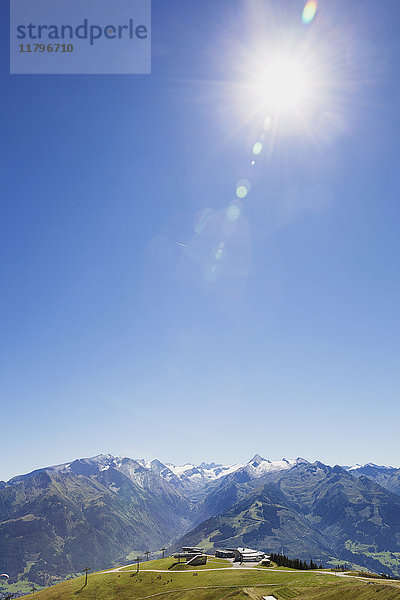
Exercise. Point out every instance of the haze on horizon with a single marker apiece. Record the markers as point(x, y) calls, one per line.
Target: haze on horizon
point(203, 264)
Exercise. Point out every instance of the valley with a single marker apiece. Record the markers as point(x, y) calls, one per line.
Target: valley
point(104, 511)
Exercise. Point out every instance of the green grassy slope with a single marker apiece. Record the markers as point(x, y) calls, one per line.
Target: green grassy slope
point(218, 584)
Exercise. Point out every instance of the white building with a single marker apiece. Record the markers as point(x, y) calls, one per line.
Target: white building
point(244, 555)
point(249, 555)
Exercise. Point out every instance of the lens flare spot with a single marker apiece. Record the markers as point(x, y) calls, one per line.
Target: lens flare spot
point(233, 213)
point(267, 123)
point(257, 148)
point(242, 188)
point(203, 220)
point(253, 162)
point(309, 11)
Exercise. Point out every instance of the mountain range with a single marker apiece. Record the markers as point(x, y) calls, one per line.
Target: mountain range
point(100, 510)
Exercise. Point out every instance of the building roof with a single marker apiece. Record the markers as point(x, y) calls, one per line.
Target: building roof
point(250, 552)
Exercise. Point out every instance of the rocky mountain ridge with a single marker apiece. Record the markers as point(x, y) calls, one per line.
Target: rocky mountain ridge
point(101, 509)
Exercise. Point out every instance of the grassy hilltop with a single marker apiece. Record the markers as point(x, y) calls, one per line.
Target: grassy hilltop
point(160, 580)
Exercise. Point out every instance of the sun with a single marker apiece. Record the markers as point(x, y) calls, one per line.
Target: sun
point(284, 81)
point(283, 86)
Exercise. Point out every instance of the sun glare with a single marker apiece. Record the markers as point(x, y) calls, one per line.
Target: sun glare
point(283, 86)
point(284, 79)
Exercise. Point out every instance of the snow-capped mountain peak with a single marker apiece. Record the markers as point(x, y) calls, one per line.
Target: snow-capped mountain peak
point(259, 466)
point(369, 465)
point(257, 460)
point(352, 467)
point(154, 474)
point(203, 472)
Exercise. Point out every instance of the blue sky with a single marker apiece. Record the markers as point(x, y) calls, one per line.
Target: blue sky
point(114, 190)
